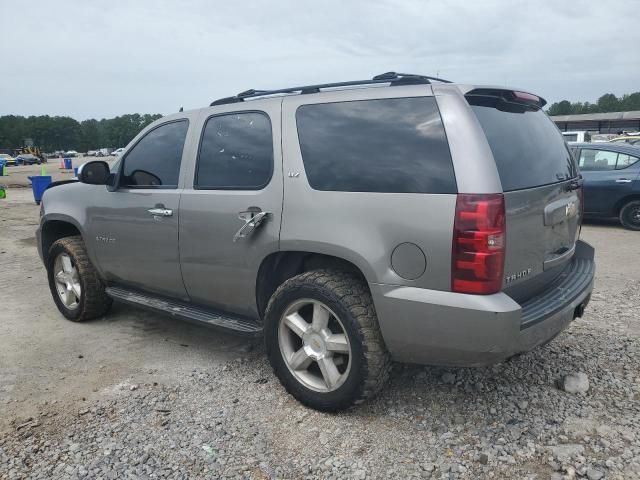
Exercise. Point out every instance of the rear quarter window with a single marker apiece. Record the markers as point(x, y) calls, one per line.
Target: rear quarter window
point(387, 145)
point(528, 149)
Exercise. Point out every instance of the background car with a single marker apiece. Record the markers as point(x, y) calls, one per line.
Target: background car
point(71, 153)
point(627, 139)
point(118, 152)
point(611, 175)
point(7, 158)
point(27, 159)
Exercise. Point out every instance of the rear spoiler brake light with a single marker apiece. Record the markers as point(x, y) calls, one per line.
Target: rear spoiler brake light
point(513, 96)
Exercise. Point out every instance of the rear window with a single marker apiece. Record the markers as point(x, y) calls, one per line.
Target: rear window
point(388, 145)
point(528, 148)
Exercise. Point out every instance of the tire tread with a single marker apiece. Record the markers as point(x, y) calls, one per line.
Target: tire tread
point(350, 290)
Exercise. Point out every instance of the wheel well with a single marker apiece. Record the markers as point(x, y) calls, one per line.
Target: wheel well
point(55, 230)
point(623, 201)
point(278, 267)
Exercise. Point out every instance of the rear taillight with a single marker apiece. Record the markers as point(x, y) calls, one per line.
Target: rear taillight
point(477, 257)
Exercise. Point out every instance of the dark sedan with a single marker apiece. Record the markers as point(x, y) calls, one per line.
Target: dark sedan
point(611, 175)
point(27, 159)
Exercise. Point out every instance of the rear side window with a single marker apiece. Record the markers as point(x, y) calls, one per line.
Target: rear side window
point(598, 160)
point(154, 162)
point(528, 149)
point(236, 152)
point(389, 145)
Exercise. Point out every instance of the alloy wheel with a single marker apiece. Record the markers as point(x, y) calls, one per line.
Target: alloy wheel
point(314, 345)
point(67, 281)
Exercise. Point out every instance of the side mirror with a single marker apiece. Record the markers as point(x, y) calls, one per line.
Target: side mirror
point(94, 173)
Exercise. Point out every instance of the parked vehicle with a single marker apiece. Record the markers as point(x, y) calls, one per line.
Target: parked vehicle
point(611, 175)
point(27, 159)
point(602, 137)
point(117, 152)
point(627, 139)
point(71, 153)
point(578, 136)
point(420, 221)
point(8, 159)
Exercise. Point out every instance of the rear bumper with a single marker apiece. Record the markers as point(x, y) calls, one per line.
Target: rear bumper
point(445, 328)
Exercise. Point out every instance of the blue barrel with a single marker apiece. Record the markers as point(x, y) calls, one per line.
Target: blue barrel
point(67, 164)
point(3, 163)
point(75, 171)
point(39, 184)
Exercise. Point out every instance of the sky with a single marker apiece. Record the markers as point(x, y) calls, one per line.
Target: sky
point(95, 59)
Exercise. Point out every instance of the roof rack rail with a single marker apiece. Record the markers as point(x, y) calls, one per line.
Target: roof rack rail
point(392, 78)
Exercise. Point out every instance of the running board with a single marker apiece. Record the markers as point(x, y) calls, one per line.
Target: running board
point(187, 312)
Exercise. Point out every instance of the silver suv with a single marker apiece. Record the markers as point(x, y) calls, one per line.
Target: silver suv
point(401, 218)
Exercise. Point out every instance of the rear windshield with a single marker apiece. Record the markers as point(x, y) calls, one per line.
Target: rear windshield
point(528, 148)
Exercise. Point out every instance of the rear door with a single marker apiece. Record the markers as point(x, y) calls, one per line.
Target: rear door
point(608, 177)
point(539, 179)
point(231, 207)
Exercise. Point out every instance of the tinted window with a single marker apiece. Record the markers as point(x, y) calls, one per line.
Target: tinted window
point(528, 148)
point(389, 145)
point(236, 152)
point(592, 160)
point(154, 162)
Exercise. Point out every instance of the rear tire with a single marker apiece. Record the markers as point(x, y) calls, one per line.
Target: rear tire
point(75, 285)
point(340, 360)
point(630, 215)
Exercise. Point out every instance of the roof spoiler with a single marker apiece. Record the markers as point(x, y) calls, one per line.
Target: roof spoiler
point(512, 96)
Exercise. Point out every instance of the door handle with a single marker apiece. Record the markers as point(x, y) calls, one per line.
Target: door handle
point(623, 180)
point(253, 218)
point(160, 212)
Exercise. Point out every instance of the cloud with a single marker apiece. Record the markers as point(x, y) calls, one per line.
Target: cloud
point(103, 58)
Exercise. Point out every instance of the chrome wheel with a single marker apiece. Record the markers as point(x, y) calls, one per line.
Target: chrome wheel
point(67, 281)
point(314, 345)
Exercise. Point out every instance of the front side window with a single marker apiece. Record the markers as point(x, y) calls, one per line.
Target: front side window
point(387, 145)
point(154, 162)
point(236, 152)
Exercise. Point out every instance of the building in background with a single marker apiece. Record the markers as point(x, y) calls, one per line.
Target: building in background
point(612, 122)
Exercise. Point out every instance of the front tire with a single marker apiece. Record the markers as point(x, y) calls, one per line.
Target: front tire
point(630, 215)
point(75, 285)
point(323, 340)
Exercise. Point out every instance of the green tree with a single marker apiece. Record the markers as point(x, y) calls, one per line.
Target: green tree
point(606, 103)
point(560, 108)
point(65, 133)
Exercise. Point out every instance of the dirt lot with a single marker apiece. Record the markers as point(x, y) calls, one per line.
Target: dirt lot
point(138, 395)
point(19, 176)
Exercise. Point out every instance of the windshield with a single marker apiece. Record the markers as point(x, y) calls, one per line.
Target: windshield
point(527, 146)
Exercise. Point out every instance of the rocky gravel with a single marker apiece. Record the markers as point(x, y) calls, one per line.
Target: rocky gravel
point(570, 409)
point(235, 421)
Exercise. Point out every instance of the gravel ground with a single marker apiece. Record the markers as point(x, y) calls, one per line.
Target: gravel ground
point(214, 409)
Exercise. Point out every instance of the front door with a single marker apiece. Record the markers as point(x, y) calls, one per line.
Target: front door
point(231, 207)
point(135, 228)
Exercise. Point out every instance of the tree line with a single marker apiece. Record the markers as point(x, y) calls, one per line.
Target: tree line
point(65, 133)
point(606, 103)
